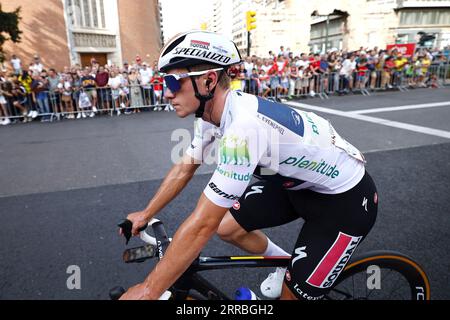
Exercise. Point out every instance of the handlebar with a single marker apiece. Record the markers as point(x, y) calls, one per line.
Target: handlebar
point(126, 226)
point(161, 241)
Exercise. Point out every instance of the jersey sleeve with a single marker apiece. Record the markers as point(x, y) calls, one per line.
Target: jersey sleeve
point(238, 155)
point(203, 138)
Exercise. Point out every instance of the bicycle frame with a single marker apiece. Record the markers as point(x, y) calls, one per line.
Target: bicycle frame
point(191, 280)
point(416, 279)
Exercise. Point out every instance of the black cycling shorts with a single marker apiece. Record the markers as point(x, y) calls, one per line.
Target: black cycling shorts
point(335, 224)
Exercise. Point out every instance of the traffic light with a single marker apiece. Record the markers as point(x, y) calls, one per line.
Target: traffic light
point(251, 20)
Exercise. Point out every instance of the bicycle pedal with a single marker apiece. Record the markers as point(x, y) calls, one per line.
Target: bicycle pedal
point(139, 254)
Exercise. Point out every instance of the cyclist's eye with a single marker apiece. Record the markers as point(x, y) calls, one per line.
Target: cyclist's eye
point(172, 83)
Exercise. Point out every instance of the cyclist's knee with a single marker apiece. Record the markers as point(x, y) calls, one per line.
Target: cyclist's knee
point(229, 229)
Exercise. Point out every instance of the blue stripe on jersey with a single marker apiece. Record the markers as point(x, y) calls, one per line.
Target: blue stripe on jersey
point(282, 114)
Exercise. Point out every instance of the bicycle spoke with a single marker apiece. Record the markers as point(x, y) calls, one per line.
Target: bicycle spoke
point(396, 288)
point(353, 280)
point(347, 295)
point(367, 295)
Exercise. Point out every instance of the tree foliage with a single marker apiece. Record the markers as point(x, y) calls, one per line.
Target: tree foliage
point(9, 28)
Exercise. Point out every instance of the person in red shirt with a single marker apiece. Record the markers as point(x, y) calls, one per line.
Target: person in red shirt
point(157, 84)
point(388, 67)
point(314, 67)
point(362, 73)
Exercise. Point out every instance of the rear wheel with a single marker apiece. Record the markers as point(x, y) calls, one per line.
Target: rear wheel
point(381, 275)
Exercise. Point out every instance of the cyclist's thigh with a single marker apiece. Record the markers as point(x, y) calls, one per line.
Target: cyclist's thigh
point(334, 226)
point(263, 205)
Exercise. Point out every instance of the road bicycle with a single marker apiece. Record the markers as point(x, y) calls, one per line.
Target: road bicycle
point(378, 275)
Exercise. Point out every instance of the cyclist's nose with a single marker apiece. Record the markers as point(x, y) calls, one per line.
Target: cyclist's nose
point(168, 94)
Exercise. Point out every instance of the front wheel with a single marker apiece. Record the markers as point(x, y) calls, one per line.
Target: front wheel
point(381, 275)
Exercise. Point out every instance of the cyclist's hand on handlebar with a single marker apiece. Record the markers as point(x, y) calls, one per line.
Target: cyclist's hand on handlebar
point(138, 219)
point(135, 293)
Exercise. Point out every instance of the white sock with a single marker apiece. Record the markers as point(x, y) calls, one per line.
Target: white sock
point(274, 250)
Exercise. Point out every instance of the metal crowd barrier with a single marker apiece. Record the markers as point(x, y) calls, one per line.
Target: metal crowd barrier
point(325, 85)
point(52, 105)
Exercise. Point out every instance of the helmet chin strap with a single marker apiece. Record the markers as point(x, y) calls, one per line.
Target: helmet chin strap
point(203, 98)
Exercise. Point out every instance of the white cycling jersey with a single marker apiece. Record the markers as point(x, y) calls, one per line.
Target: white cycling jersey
point(297, 149)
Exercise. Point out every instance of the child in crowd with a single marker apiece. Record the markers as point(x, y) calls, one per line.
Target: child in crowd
point(264, 88)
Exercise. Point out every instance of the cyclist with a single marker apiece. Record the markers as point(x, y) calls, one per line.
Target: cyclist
point(306, 169)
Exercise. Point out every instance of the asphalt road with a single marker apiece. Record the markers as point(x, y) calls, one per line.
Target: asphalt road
point(64, 186)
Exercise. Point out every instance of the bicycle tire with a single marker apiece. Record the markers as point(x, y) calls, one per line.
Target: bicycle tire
point(410, 270)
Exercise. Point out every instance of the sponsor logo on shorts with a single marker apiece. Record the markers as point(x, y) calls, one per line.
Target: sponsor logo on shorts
point(225, 195)
point(256, 189)
point(364, 204)
point(300, 254)
point(334, 261)
point(304, 295)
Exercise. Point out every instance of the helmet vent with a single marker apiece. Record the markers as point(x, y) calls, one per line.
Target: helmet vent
point(173, 45)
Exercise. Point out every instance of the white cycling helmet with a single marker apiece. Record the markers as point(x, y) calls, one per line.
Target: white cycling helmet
point(192, 48)
point(196, 47)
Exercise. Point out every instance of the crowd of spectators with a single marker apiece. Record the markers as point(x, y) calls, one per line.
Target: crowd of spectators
point(84, 91)
point(337, 71)
point(77, 91)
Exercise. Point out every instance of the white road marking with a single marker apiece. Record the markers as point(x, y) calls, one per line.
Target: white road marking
point(399, 108)
point(394, 124)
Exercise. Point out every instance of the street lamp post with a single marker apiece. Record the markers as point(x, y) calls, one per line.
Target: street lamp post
point(248, 43)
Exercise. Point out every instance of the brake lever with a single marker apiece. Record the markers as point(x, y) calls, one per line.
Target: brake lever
point(126, 226)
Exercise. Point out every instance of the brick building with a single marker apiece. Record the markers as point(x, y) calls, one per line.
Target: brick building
point(65, 32)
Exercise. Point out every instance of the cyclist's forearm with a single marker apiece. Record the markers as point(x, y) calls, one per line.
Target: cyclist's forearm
point(174, 182)
point(187, 244)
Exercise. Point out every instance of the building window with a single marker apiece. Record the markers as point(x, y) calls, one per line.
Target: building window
point(94, 13)
point(74, 11)
point(102, 13)
point(425, 17)
point(87, 13)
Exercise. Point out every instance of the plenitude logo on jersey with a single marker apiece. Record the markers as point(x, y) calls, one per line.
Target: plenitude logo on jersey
point(234, 150)
point(234, 175)
point(320, 167)
point(334, 261)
